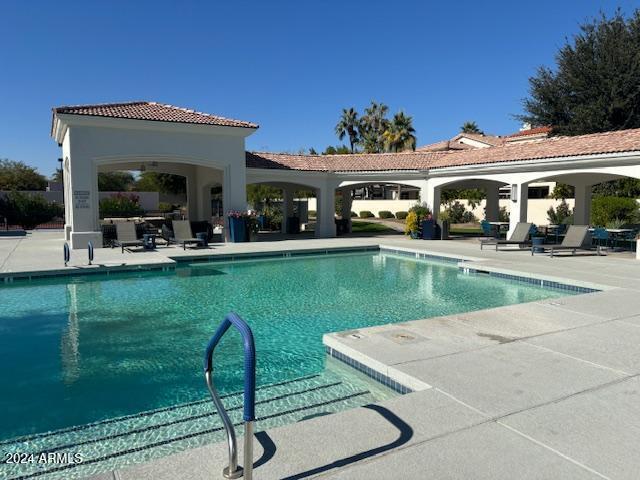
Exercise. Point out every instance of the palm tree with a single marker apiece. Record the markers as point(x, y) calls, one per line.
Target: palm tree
point(400, 135)
point(348, 125)
point(373, 124)
point(471, 127)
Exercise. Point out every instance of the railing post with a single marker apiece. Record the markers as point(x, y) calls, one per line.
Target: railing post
point(233, 470)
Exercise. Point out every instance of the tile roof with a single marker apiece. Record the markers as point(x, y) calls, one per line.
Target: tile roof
point(596, 143)
point(531, 131)
point(153, 111)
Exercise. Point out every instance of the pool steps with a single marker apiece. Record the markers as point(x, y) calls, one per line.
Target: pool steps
point(140, 437)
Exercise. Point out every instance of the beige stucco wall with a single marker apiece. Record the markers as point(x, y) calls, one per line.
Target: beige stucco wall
point(536, 209)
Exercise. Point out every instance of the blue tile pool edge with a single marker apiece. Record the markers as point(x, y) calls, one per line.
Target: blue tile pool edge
point(368, 371)
point(10, 277)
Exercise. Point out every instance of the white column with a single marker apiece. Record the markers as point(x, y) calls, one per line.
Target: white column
point(234, 191)
point(325, 216)
point(81, 191)
point(193, 194)
point(582, 208)
point(287, 207)
point(430, 195)
point(518, 210)
point(346, 206)
point(492, 206)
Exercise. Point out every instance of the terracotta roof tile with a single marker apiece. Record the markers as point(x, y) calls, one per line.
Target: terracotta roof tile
point(157, 112)
point(531, 131)
point(597, 143)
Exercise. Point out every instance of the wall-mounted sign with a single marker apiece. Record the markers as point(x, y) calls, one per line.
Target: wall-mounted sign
point(81, 199)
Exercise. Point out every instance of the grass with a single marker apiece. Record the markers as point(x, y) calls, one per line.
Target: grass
point(369, 227)
point(465, 230)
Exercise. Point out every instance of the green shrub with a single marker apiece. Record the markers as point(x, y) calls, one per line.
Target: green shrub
point(458, 213)
point(503, 214)
point(121, 205)
point(165, 207)
point(28, 210)
point(401, 215)
point(385, 214)
point(421, 210)
point(354, 215)
point(608, 209)
point(366, 214)
point(560, 214)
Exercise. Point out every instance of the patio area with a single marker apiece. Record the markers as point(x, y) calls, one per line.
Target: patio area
point(538, 390)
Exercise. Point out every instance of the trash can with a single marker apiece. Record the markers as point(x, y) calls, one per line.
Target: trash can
point(536, 243)
point(444, 229)
point(293, 225)
point(149, 241)
point(203, 239)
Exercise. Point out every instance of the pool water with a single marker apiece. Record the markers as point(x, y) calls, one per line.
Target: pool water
point(77, 350)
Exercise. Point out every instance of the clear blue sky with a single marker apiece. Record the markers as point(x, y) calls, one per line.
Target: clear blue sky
point(289, 66)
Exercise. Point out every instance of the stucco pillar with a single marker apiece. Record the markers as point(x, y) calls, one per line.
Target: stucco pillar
point(430, 195)
point(81, 193)
point(325, 215)
point(287, 207)
point(582, 208)
point(194, 194)
point(492, 207)
point(346, 206)
point(234, 191)
point(518, 210)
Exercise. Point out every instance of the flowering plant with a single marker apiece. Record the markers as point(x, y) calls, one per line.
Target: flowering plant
point(240, 214)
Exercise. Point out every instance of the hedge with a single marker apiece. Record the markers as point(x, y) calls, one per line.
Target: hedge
point(401, 215)
point(385, 214)
point(608, 209)
point(366, 214)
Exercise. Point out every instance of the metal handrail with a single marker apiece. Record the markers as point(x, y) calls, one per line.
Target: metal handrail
point(249, 414)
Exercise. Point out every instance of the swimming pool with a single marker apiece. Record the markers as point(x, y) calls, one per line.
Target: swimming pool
point(123, 351)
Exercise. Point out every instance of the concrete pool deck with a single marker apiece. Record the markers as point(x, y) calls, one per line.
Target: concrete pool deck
point(548, 389)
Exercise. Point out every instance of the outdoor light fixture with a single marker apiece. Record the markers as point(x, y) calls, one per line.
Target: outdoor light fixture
point(514, 192)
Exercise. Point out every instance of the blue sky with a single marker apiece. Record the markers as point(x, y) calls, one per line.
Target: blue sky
point(288, 65)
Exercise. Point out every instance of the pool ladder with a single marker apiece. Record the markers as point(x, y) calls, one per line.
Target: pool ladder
point(233, 470)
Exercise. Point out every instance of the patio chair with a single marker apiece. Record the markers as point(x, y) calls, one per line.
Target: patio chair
point(487, 231)
point(520, 237)
point(126, 236)
point(577, 238)
point(182, 234)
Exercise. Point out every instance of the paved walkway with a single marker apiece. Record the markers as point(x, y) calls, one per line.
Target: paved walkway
point(544, 390)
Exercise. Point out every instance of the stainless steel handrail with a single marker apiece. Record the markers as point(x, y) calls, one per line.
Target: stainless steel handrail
point(233, 470)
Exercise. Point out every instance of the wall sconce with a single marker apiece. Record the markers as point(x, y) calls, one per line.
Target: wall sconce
point(514, 192)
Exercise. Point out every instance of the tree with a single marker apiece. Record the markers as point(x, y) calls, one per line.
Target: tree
point(400, 134)
point(471, 127)
point(259, 195)
point(348, 126)
point(562, 191)
point(595, 86)
point(624, 187)
point(27, 210)
point(373, 124)
point(472, 195)
point(161, 182)
point(312, 151)
point(57, 176)
point(339, 150)
point(115, 181)
point(19, 176)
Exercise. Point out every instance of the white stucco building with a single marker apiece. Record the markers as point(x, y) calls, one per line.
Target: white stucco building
point(210, 151)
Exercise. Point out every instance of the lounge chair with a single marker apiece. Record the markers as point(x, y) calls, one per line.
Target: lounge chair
point(126, 236)
point(182, 234)
point(576, 238)
point(520, 237)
